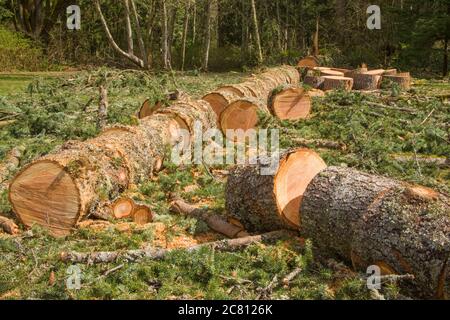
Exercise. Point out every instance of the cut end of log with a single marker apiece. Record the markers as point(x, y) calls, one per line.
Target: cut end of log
point(217, 101)
point(147, 109)
point(44, 194)
point(241, 114)
point(123, 208)
point(308, 62)
point(291, 104)
point(337, 82)
point(294, 175)
point(142, 215)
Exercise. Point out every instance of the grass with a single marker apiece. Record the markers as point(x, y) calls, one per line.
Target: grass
point(51, 111)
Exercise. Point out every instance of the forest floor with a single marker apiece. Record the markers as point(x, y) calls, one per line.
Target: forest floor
point(50, 110)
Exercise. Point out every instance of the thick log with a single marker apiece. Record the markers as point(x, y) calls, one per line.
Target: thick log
point(365, 81)
point(214, 221)
point(390, 72)
point(142, 214)
point(315, 82)
point(269, 202)
point(289, 103)
point(123, 208)
point(337, 82)
point(371, 220)
point(242, 114)
point(403, 80)
point(158, 254)
point(257, 87)
point(308, 62)
point(331, 72)
point(58, 190)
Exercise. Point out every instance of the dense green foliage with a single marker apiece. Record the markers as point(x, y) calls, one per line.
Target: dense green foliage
point(414, 34)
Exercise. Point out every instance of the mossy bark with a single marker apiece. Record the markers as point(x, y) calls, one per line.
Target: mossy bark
point(370, 220)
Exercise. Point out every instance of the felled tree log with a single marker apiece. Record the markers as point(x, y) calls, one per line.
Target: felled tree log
point(242, 114)
point(390, 72)
point(319, 143)
point(58, 190)
point(316, 82)
point(331, 72)
point(257, 86)
point(142, 214)
point(8, 226)
point(214, 221)
point(337, 82)
point(403, 80)
point(366, 81)
point(269, 202)
point(147, 109)
point(289, 103)
point(308, 62)
point(157, 253)
point(371, 220)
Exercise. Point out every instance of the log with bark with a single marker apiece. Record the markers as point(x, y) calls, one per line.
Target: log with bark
point(390, 72)
point(158, 253)
point(371, 220)
point(403, 80)
point(214, 221)
point(289, 103)
point(257, 86)
point(242, 114)
point(337, 82)
point(315, 82)
point(9, 164)
point(58, 190)
point(366, 81)
point(268, 202)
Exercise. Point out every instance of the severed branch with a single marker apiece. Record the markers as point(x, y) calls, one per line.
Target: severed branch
point(8, 226)
point(158, 253)
point(380, 105)
point(214, 221)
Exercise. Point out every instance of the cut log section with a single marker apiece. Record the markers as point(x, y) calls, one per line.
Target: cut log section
point(147, 109)
point(314, 82)
point(123, 208)
point(371, 220)
point(390, 72)
point(242, 114)
point(334, 83)
point(290, 103)
point(267, 202)
point(142, 214)
point(403, 80)
point(58, 190)
point(376, 72)
point(365, 81)
point(308, 62)
point(257, 86)
point(330, 72)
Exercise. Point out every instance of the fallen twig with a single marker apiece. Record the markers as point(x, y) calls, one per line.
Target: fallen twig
point(158, 254)
point(214, 221)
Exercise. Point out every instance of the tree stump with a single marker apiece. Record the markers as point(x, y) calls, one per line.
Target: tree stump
point(403, 80)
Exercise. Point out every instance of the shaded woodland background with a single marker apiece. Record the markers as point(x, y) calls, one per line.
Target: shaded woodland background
point(223, 35)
